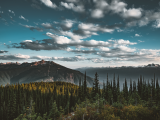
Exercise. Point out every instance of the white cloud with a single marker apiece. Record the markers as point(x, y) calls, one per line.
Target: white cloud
point(94, 28)
point(149, 16)
point(150, 51)
point(49, 3)
point(132, 12)
point(14, 57)
point(21, 17)
point(140, 41)
point(32, 27)
point(27, 41)
point(11, 12)
point(68, 23)
point(78, 8)
point(75, 1)
point(119, 30)
point(117, 6)
point(137, 35)
point(47, 25)
point(59, 39)
point(157, 24)
point(122, 42)
point(40, 57)
point(101, 4)
point(97, 13)
point(126, 49)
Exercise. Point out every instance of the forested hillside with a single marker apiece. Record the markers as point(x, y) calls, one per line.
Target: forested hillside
point(62, 100)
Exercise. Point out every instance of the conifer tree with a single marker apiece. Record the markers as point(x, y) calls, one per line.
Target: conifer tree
point(85, 86)
point(107, 88)
point(54, 113)
point(114, 90)
point(95, 85)
point(80, 90)
point(130, 89)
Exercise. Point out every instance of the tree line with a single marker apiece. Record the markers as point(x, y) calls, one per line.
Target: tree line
point(53, 99)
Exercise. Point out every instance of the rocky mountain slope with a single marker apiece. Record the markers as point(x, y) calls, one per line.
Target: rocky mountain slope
point(46, 71)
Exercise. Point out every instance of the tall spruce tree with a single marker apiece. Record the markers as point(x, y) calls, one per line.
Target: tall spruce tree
point(130, 89)
point(85, 86)
point(95, 84)
point(114, 91)
point(80, 90)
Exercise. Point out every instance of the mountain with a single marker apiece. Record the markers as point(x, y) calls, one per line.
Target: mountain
point(47, 71)
point(124, 72)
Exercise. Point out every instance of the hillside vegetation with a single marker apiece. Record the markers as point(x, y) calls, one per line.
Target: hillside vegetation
point(66, 101)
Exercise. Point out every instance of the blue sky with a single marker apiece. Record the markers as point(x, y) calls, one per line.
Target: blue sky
point(80, 33)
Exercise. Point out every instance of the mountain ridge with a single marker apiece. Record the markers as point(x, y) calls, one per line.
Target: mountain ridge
point(47, 71)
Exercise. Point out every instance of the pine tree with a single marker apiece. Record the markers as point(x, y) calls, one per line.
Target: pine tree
point(130, 89)
point(85, 86)
point(126, 91)
point(103, 90)
point(118, 88)
point(54, 113)
point(80, 90)
point(114, 91)
point(95, 85)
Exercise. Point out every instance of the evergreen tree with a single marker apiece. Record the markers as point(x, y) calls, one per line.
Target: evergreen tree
point(80, 90)
point(54, 113)
point(85, 86)
point(114, 90)
point(95, 85)
point(130, 89)
point(104, 90)
point(118, 88)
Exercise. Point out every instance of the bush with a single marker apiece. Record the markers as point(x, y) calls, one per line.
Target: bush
point(118, 105)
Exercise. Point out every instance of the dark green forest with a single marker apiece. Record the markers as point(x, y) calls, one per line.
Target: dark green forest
point(67, 101)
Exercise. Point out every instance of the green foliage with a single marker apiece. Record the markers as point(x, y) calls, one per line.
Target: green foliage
point(118, 105)
point(60, 99)
point(54, 113)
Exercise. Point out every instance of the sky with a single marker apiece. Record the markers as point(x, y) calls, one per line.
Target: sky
point(80, 33)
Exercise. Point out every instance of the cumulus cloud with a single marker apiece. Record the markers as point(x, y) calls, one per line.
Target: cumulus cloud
point(137, 35)
point(149, 16)
point(47, 25)
point(100, 9)
point(132, 13)
point(32, 27)
point(67, 24)
point(122, 42)
point(74, 1)
point(46, 44)
point(66, 41)
point(88, 29)
point(97, 13)
point(78, 8)
point(2, 51)
point(157, 24)
point(117, 6)
point(49, 3)
point(21, 17)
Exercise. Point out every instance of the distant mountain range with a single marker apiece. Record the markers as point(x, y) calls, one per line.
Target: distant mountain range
point(47, 71)
point(127, 72)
